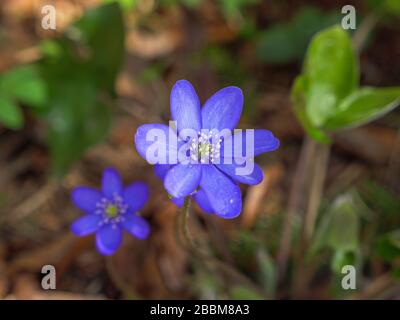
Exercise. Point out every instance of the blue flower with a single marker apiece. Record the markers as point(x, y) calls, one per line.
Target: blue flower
point(211, 176)
point(111, 210)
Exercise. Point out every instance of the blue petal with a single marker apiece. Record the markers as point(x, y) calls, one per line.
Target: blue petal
point(185, 106)
point(263, 141)
point(178, 201)
point(182, 179)
point(108, 239)
point(255, 177)
point(86, 224)
point(111, 183)
point(86, 198)
point(137, 226)
point(223, 109)
point(202, 201)
point(161, 170)
point(223, 194)
point(157, 143)
point(136, 195)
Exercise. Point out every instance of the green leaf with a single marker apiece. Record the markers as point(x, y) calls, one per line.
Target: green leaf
point(277, 45)
point(363, 106)
point(230, 8)
point(331, 73)
point(344, 226)
point(339, 227)
point(388, 6)
point(298, 100)
point(126, 5)
point(244, 293)
point(381, 199)
point(10, 113)
point(102, 30)
point(77, 120)
point(287, 42)
point(388, 245)
point(267, 271)
point(342, 258)
point(80, 70)
point(25, 84)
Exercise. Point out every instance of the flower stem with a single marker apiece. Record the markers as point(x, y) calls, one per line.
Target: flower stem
point(365, 28)
point(314, 189)
point(207, 259)
point(185, 211)
point(127, 291)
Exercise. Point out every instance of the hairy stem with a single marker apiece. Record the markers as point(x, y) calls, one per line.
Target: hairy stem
point(316, 189)
point(127, 291)
point(185, 212)
point(208, 260)
point(296, 199)
point(316, 177)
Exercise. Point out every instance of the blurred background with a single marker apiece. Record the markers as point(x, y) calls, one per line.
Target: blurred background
point(72, 98)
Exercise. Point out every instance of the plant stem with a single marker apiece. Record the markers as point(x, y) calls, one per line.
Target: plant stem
point(127, 291)
point(295, 202)
point(316, 189)
point(207, 259)
point(317, 174)
point(185, 211)
point(360, 36)
point(317, 156)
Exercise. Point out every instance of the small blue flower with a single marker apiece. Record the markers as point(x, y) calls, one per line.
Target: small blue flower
point(211, 179)
point(110, 211)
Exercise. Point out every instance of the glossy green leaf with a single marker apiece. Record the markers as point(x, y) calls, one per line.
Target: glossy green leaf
point(363, 106)
point(10, 114)
point(298, 100)
point(331, 73)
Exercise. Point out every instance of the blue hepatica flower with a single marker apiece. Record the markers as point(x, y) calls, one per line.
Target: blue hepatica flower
point(211, 176)
point(111, 210)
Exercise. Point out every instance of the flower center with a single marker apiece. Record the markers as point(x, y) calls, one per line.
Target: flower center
point(112, 211)
point(205, 148)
